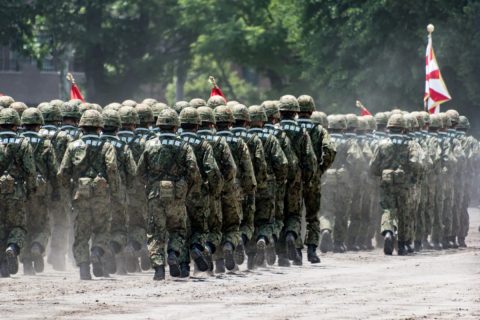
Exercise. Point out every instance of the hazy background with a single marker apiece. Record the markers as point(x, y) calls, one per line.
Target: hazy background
point(336, 51)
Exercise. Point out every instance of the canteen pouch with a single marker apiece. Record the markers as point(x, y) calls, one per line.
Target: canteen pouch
point(41, 186)
point(399, 176)
point(100, 186)
point(166, 190)
point(7, 184)
point(84, 189)
point(387, 176)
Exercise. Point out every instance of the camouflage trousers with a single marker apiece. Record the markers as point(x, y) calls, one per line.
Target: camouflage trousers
point(464, 222)
point(448, 206)
point(167, 227)
point(118, 227)
point(92, 223)
point(436, 215)
point(137, 217)
point(421, 211)
point(373, 229)
point(248, 216)
point(355, 214)
point(458, 191)
point(38, 225)
point(279, 209)
point(394, 200)
point(214, 237)
point(12, 222)
point(414, 203)
point(368, 213)
point(312, 196)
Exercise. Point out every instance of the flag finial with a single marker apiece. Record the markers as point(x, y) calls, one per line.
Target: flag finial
point(430, 28)
point(70, 77)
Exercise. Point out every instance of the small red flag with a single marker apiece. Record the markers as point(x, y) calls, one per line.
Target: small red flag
point(216, 91)
point(363, 111)
point(75, 93)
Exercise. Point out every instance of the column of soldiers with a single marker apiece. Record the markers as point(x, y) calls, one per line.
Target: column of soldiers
point(134, 186)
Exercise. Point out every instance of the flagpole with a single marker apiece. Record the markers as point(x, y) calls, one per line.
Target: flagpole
point(430, 29)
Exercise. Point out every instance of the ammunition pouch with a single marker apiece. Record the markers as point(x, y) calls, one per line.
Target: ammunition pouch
point(7, 184)
point(166, 190)
point(84, 189)
point(396, 177)
point(100, 187)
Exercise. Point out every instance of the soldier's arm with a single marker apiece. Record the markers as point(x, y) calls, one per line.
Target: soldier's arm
point(229, 168)
point(249, 183)
point(309, 160)
point(112, 168)
point(28, 167)
point(377, 163)
point(214, 176)
point(130, 166)
point(329, 151)
point(52, 166)
point(65, 169)
point(280, 162)
point(193, 176)
point(260, 163)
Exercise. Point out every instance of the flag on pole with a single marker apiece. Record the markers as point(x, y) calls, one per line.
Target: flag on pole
point(363, 111)
point(216, 91)
point(436, 91)
point(74, 90)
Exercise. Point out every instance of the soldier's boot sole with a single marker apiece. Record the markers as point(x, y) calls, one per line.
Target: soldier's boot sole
point(326, 243)
point(271, 255)
point(313, 258)
point(229, 259)
point(199, 260)
point(173, 265)
point(12, 262)
point(28, 269)
point(240, 254)
point(291, 248)
point(209, 259)
point(260, 254)
point(298, 261)
point(388, 245)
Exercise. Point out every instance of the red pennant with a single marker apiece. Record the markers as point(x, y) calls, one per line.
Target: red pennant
point(75, 93)
point(364, 112)
point(216, 91)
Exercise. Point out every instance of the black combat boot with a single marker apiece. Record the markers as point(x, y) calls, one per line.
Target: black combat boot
point(228, 254)
point(4, 269)
point(292, 252)
point(426, 245)
point(250, 261)
point(446, 244)
point(353, 247)
point(326, 242)
point(312, 254)
point(388, 243)
point(11, 255)
point(173, 265)
point(408, 246)
point(417, 245)
point(453, 242)
point(97, 261)
point(461, 242)
point(85, 271)
point(220, 266)
point(283, 260)
point(28, 269)
point(159, 273)
point(402, 249)
point(184, 270)
point(298, 261)
point(199, 259)
point(240, 251)
point(37, 255)
point(437, 245)
point(260, 254)
point(271, 254)
point(338, 247)
point(208, 255)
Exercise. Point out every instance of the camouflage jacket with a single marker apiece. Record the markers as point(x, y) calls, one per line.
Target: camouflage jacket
point(286, 145)
point(135, 142)
point(60, 140)
point(125, 162)
point(349, 154)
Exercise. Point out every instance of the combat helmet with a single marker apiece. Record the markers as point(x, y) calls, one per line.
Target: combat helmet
point(18, 106)
point(362, 124)
point(420, 119)
point(180, 105)
point(158, 107)
point(111, 118)
point(50, 113)
point(463, 123)
point(6, 101)
point(9, 116)
point(223, 114)
point(352, 121)
point(97, 107)
point(129, 102)
point(337, 122)
point(32, 116)
point(215, 101)
point(240, 112)
point(197, 103)
point(113, 105)
point(84, 106)
point(189, 115)
point(257, 113)
point(435, 121)
point(149, 101)
point(206, 114)
point(319, 117)
point(91, 118)
point(397, 120)
point(446, 121)
point(453, 115)
point(70, 110)
point(145, 113)
point(289, 103)
point(168, 118)
point(57, 102)
point(372, 124)
point(426, 117)
point(232, 103)
point(271, 109)
point(306, 103)
point(128, 115)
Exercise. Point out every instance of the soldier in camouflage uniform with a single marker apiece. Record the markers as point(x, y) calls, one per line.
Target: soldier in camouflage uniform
point(197, 103)
point(215, 101)
point(136, 205)
point(277, 169)
point(222, 227)
point(157, 108)
point(303, 175)
point(127, 170)
point(179, 106)
point(395, 159)
point(244, 183)
point(169, 170)
point(17, 183)
point(198, 202)
point(89, 168)
point(145, 122)
point(255, 148)
point(47, 187)
point(325, 153)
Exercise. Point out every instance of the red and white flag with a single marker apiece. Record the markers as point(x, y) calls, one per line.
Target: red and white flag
point(216, 91)
point(436, 91)
point(74, 90)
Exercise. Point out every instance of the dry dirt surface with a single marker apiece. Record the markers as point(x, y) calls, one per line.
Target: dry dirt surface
point(428, 285)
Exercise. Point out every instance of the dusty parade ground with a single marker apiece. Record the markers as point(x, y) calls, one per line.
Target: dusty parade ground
point(429, 285)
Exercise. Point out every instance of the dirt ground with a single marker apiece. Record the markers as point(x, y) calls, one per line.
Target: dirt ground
point(429, 285)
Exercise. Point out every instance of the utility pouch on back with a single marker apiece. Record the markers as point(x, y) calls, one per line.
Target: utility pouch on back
point(399, 176)
point(166, 190)
point(7, 184)
point(100, 186)
point(84, 189)
point(387, 176)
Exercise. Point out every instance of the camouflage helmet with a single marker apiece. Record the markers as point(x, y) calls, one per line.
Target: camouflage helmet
point(145, 113)
point(84, 106)
point(91, 118)
point(372, 124)
point(240, 112)
point(6, 101)
point(9, 116)
point(362, 124)
point(128, 115)
point(223, 114)
point(352, 121)
point(232, 103)
point(114, 106)
point(78, 102)
point(306, 103)
point(410, 121)
point(128, 102)
point(168, 118)
point(453, 115)
point(111, 118)
point(158, 107)
point(271, 109)
point(20, 107)
point(149, 101)
point(32, 116)
point(388, 114)
point(381, 118)
point(446, 121)
point(70, 110)
point(97, 107)
point(397, 120)
point(337, 121)
point(57, 102)
point(215, 101)
point(257, 113)
point(206, 114)
point(426, 117)
point(435, 121)
point(319, 117)
point(180, 105)
point(189, 115)
point(420, 119)
point(396, 110)
point(289, 103)
point(197, 103)
point(463, 123)
point(50, 113)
